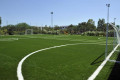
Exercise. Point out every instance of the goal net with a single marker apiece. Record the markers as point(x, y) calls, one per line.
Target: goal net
point(115, 43)
point(28, 31)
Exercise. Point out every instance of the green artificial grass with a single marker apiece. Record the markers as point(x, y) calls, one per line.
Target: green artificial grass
point(73, 62)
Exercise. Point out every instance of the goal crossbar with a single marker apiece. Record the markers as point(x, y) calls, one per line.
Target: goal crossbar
point(117, 32)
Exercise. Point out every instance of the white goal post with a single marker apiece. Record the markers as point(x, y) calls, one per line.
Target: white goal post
point(97, 71)
point(28, 31)
point(117, 33)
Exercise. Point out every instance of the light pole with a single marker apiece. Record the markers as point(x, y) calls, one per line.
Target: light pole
point(7, 22)
point(51, 19)
point(0, 24)
point(114, 20)
point(106, 50)
point(114, 36)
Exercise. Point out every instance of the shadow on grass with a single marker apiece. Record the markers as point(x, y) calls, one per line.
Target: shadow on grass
point(98, 59)
point(115, 73)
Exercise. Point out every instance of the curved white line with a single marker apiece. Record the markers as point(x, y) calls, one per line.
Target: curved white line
point(19, 68)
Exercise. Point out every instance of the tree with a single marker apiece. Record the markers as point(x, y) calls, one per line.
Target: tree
point(56, 27)
point(101, 25)
point(82, 27)
point(10, 29)
point(71, 29)
point(21, 27)
point(90, 21)
point(35, 29)
point(90, 25)
point(118, 26)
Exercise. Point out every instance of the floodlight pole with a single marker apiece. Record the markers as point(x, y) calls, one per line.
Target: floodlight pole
point(106, 50)
point(7, 22)
point(114, 36)
point(114, 20)
point(51, 19)
point(0, 24)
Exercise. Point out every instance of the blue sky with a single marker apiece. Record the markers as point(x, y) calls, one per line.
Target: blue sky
point(66, 12)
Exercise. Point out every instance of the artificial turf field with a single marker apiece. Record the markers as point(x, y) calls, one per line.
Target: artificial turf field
point(72, 62)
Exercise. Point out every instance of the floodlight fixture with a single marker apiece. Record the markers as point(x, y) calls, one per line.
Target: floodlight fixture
point(51, 12)
point(108, 5)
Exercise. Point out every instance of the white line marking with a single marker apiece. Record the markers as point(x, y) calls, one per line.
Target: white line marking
point(19, 68)
point(93, 76)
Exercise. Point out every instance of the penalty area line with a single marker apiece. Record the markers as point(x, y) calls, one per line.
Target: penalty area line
point(96, 72)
